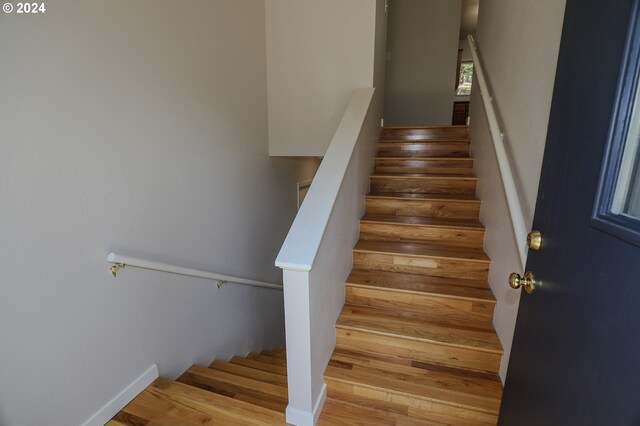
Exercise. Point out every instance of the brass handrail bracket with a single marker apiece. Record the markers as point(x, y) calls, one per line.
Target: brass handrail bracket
point(115, 268)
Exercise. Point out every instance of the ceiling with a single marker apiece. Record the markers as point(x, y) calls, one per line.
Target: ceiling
point(468, 18)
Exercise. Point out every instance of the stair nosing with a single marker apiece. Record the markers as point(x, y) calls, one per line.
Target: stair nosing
point(431, 126)
point(479, 228)
point(434, 176)
point(420, 293)
point(433, 197)
point(419, 339)
point(411, 395)
point(441, 158)
point(360, 250)
point(434, 141)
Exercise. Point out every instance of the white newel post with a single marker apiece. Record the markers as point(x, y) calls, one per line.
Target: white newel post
point(305, 402)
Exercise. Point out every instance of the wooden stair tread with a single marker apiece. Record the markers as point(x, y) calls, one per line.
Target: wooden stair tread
point(407, 144)
point(423, 176)
point(416, 164)
point(275, 353)
point(424, 183)
point(423, 221)
point(424, 196)
point(424, 132)
point(415, 249)
point(421, 284)
point(439, 330)
point(335, 412)
point(454, 387)
point(429, 159)
point(246, 382)
point(249, 372)
point(253, 391)
point(170, 403)
point(268, 360)
point(259, 365)
point(444, 127)
point(425, 140)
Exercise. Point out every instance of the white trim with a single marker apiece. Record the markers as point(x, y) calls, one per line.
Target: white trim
point(302, 418)
point(510, 189)
point(172, 269)
point(118, 402)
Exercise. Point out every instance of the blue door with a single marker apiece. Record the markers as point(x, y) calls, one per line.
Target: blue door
point(576, 352)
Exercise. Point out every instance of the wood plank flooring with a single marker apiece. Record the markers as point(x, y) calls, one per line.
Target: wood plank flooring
point(415, 340)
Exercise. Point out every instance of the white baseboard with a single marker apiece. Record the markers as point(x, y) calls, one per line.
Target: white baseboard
point(304, 418)
point(118, 402)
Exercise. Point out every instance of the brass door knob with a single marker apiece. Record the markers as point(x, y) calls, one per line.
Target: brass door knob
point(534, 240)
point(527, 282)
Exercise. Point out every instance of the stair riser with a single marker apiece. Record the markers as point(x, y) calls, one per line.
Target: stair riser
point(414, 185)
point(269, 360)
point(430, 208)
point(460, 237)
point(424, 149)
point(144, 406)
point(229, 389)
point(422, 265)
point(432, 133)
point(262, 366)
point(451, 167)
point(428, 304)
point(418, 350)
point(406, 405)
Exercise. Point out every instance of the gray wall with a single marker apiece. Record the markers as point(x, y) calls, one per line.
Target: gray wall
point(318, 53)
point(422, 42)
point(136, 127)
point(518, 44)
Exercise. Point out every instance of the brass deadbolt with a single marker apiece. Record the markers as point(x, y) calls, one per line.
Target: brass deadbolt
point(534, 240)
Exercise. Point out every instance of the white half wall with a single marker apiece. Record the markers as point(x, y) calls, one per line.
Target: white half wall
point(317, 254)
point(318, 53)
point(422, 45)
point(518, 44)
point(135, 127)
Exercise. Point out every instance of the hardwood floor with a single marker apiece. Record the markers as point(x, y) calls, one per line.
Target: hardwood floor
point(415, 340)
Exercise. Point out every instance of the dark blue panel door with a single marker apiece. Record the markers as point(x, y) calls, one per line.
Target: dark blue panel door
point(576, 352)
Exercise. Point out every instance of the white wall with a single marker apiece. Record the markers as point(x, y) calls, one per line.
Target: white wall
point(422, 42)
point(518, 44)
point(136, 127)
point(318, 53)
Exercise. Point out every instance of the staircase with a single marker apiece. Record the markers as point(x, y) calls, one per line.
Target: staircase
point(415, 340)
point(243, 391)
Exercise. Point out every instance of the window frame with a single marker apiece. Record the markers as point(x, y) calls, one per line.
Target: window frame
point(603, 216)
